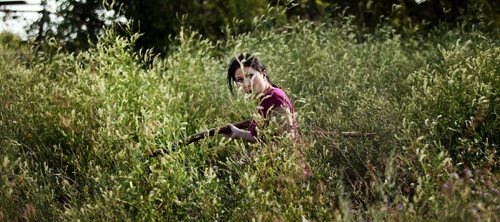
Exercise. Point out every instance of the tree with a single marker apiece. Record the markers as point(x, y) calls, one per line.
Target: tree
point(82, 21)
point(158, 20)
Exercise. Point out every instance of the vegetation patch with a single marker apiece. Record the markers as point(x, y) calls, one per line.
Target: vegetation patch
point(75, 128)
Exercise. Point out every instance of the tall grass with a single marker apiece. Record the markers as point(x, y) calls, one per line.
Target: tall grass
point(76, 129)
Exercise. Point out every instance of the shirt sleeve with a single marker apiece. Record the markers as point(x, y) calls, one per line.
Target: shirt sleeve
point(273, 103)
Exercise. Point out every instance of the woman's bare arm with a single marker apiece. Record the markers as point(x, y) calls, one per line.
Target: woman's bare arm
point(237, 133)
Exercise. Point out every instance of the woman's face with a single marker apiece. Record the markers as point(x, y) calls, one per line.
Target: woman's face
point(251, 81)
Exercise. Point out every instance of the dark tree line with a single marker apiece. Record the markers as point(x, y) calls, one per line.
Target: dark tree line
point(161, 19)
point(84, 20)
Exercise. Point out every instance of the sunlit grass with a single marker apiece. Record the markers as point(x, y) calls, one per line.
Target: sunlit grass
point(75, 129)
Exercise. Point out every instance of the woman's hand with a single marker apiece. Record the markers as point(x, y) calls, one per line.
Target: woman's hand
point(232, 133)
point(236, 133)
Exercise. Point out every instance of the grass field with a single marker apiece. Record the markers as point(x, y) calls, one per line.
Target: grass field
point(75, 129)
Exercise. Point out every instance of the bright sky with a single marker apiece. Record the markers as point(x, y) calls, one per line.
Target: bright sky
point(16, 22)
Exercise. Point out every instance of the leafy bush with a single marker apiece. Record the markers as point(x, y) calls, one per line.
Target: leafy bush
point(76, 129)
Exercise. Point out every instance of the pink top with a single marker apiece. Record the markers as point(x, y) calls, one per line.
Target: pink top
point(274, 97)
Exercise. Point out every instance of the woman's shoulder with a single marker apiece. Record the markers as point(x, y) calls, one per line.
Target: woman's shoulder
point(276, 97)
point(277, 92)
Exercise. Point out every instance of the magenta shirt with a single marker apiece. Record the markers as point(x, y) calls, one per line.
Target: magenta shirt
point(274, 97)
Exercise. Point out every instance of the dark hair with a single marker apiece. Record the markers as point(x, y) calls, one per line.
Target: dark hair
point(244, 60)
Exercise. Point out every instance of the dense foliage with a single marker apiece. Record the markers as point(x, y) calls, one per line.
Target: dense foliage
point(80, 23)
point(76, 128)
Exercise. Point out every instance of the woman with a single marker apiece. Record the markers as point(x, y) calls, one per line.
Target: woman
point(251, 77)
